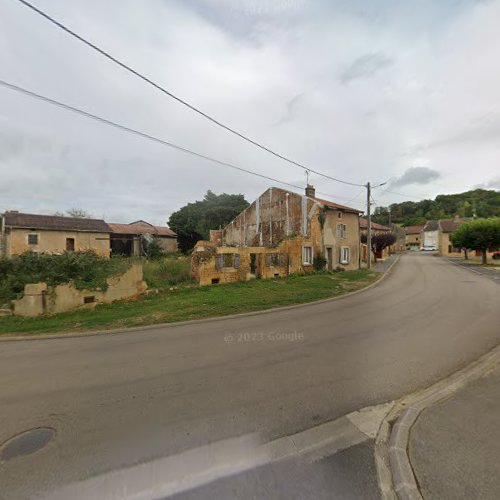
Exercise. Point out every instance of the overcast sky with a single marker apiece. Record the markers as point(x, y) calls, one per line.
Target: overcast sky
point(362, 90)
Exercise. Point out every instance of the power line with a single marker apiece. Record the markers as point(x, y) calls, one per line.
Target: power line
point(173, 96)
point(144, 135)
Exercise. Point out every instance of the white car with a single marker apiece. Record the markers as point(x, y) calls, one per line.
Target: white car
point(429, 248)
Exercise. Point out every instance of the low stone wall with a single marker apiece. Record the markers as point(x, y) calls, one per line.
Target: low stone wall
point(40, 299)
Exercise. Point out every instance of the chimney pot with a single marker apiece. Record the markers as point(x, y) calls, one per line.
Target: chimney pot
point(310, 191)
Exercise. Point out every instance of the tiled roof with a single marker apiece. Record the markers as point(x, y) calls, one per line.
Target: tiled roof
point(54, 222)
point(141, 227)
point(413, 229)
point(450, 225)
point(337, 206)
point(431, 225)
point(363, 224)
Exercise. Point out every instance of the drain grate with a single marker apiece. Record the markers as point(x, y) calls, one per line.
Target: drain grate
point(27, 442)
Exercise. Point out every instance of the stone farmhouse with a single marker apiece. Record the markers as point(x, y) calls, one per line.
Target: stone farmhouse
point(21, 232)
point(280, 233)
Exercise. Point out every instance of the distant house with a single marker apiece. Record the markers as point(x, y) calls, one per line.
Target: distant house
point(22, 232)
point(131, 239)
point(281, 232)
point(413, 240)
point(430, 235)
point(446, 229)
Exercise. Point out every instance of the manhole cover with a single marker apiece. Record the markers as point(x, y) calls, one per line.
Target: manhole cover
point(27, 442)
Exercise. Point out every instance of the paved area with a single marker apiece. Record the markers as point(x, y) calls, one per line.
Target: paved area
point(347, 475)
point(120, 399)
point(384, 265)
point(490, 272)
point(455, 445)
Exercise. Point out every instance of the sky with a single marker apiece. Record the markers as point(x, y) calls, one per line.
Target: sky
point(405, 93)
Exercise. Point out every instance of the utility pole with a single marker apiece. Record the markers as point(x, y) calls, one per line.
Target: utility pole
point(369, 231)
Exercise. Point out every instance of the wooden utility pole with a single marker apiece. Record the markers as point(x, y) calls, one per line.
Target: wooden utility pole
point(369, 230)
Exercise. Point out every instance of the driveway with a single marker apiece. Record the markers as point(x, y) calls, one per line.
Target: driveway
point(119, 399)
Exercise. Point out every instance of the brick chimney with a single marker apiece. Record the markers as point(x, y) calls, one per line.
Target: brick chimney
point(310, 191)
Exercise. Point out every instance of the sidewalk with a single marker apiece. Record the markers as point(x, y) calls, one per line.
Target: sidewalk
point(383, 265)
point(454, 446)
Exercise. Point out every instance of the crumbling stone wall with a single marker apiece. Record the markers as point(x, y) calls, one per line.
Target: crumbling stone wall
point(40, 299)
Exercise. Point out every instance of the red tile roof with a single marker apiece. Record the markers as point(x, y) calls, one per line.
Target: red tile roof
point(413, 229)
point(337, 206)
point(141, 227)
point(54, 222)
point(450, 225)
point(363, 224)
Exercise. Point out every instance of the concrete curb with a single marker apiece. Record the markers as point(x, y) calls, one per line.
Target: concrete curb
point(395, 474)
point(38, 337)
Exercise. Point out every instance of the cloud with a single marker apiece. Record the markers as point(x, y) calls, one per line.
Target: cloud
point(252, 67)
point(416, 175)
point(366, 66)
point(493, 183)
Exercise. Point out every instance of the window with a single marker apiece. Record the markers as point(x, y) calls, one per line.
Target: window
point(307, 256)
point(90, 299)
point(227, 260)
point(341, 230)
point(218, 261)
point(70, 244)
point(275, 259)
point(32, 239)
point(344, 255)
point(339, 215)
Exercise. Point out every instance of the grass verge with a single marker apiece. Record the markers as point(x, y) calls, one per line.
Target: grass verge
point(189, 303)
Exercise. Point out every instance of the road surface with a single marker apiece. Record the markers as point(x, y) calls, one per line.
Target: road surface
point(121, 399)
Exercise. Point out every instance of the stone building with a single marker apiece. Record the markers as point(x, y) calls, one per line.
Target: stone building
point(414, 239)
point(21, 233)
point(51, 234)
point(132, 239)
point(280, 233)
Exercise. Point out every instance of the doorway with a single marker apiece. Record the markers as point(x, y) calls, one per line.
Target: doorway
point(329, 258)
point(70, 244)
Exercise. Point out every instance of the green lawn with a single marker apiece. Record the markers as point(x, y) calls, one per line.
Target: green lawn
point(186, 303)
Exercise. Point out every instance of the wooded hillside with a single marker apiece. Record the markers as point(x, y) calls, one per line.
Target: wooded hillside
point(479, 202)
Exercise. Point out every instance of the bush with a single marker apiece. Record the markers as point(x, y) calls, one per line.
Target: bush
point(154, 250)
point(86, 269)
point(319, 262)
point(167, 272)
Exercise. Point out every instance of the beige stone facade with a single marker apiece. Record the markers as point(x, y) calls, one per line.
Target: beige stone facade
point(279, 234)
point(20, 240)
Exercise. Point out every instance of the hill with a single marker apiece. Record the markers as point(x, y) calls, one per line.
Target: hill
point(479, 202)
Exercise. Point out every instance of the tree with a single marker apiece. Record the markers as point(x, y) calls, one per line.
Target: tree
point(194, 221)
point(481, 235)
point(79, 213)
point(380, 241)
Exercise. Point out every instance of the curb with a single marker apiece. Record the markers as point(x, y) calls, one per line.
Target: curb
point(38, 337)
point(395, 474)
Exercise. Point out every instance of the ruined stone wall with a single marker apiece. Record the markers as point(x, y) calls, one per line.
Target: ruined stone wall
point(275, 215)
point(39, 299)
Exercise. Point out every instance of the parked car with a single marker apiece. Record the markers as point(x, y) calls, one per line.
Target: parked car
point(496, 255)
point(429, 248)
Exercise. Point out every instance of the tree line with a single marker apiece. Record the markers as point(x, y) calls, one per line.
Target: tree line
point(480, 203)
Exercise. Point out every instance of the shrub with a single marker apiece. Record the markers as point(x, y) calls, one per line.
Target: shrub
point(167, 272)
point(319, 262)
point(86, 269)
point(154, 250)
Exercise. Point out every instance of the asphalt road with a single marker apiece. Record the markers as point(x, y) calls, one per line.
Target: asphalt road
point(120, 399)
